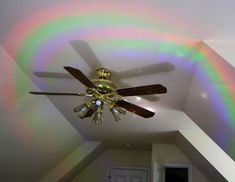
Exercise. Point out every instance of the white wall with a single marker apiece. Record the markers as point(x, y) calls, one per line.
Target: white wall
point(213, 154)
point(34, 135)
point(210, 103)
point(97, 170)
point(167, 153)
point(64, 171)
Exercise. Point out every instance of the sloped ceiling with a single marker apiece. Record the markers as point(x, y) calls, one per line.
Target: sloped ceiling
point(141, 42)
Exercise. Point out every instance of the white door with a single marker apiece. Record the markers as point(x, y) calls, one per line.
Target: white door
point(128, 175)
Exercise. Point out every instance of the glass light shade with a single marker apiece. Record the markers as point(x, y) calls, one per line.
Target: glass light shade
point(98, 116)
point(117, 112)
point(82, 110)
point(92, 105)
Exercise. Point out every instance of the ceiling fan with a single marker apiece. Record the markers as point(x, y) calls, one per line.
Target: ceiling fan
point(104, 91)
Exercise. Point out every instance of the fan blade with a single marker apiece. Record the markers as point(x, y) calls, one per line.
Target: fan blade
point(135, 109)
point(57, 93)
point(80, 76)
point(142, 90)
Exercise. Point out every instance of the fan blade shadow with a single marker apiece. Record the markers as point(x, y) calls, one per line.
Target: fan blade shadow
point(146, 70)
point(44, 74)
point(88, 55)
point(116, 76)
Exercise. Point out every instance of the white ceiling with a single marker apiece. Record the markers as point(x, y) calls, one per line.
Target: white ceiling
point(158, 26)
point(196, 19)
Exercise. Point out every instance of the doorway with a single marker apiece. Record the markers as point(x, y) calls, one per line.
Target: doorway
point(177, 173)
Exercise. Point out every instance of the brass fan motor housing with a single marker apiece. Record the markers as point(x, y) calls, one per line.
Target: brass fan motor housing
point(103, 83)
point(105, 86)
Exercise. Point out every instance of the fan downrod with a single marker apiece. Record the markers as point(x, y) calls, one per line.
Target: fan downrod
point(103, 73)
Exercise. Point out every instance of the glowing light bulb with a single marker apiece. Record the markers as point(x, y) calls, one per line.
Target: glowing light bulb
point(98, 102)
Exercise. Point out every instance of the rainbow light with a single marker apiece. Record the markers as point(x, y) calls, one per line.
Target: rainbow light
point(217, 78)
point(88, 22)
point(35, 40)
point(215, 70)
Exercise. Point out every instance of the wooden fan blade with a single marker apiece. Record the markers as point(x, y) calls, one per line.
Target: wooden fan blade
point(56, 93)
point(142, 90)
point(135, 109)
point(80, 76)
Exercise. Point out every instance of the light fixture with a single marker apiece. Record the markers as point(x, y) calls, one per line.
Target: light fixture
point(86, 109)
point(103, 91)
point(117, 112)
point(96, 107)
point(82, 110)
point(98, 115)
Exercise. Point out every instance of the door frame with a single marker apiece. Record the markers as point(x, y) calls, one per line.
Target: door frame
point(178, 165)
point(128, 168)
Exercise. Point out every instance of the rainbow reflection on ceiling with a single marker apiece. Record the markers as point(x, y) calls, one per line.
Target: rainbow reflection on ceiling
point(43, 33)
point(134, 27)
